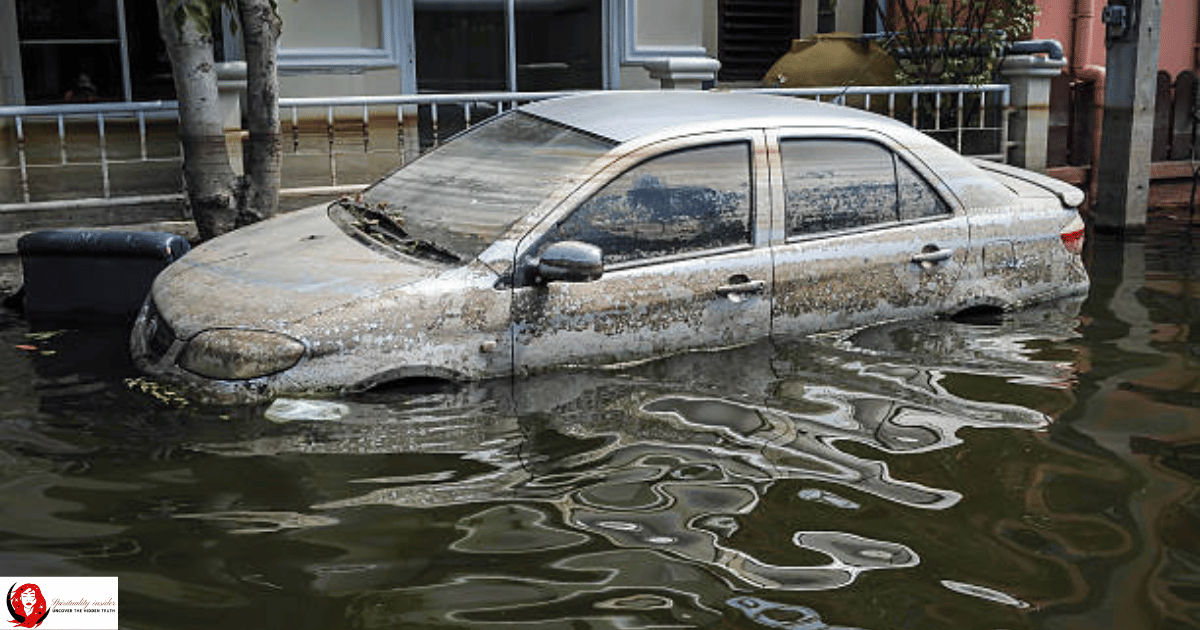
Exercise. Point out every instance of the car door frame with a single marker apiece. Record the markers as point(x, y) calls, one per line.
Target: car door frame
point(630, 156)
point(918, 263)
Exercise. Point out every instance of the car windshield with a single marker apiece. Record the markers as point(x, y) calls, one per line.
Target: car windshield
point(468, 192)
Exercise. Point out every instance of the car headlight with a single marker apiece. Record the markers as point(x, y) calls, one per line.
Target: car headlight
point(237, 354)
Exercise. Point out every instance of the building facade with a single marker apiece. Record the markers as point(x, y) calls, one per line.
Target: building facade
point(57, 51)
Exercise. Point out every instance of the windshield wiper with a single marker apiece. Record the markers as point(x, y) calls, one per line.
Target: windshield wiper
point(389, 231)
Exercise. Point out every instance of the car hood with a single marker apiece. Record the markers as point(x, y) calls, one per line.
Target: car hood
point(272, 273)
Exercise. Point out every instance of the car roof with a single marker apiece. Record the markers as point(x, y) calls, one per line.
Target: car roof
point(625, 115)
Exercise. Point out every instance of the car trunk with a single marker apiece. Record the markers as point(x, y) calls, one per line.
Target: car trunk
point(1030, 184)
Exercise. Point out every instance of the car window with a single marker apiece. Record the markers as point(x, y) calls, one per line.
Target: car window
point(465, 194)
point(917, 198)
point(837, 185)
point(680, 202)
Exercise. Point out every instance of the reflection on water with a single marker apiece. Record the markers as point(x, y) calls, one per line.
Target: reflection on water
point(1039, 472)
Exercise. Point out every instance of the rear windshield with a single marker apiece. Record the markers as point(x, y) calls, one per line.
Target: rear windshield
point(465, 194)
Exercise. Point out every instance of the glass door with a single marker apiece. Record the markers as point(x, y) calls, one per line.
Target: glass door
point(559, 45)
point(508, 45)
point(461, 45)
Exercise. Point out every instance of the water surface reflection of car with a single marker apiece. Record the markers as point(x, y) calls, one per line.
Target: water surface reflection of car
point(608, 228)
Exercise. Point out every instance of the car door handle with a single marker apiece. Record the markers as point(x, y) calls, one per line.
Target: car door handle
point(931, 255)
point(742, 288)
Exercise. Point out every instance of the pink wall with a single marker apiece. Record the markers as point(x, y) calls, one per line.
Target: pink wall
point(1177, 45)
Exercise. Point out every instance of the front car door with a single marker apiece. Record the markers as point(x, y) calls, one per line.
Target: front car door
point(687, 262)
point(868, 233)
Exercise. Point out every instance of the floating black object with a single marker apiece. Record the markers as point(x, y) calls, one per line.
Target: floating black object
point(93, 272)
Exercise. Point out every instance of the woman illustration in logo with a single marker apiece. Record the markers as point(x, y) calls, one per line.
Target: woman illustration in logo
point(27, 606)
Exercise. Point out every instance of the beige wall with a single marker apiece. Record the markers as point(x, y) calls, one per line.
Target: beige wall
point(342, 47)
point(671, 22)
point(311, 23)
point(382, 81)
point(635, 77)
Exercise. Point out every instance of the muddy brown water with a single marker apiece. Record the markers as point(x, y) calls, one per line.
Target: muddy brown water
point(1037, 471)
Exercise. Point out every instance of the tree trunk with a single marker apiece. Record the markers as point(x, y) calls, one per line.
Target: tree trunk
point(262, 152)
point(209, 179)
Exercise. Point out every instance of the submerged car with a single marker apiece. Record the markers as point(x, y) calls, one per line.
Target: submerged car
point(608, 228)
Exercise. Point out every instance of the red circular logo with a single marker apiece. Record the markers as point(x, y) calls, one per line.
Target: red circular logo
point(27, 605)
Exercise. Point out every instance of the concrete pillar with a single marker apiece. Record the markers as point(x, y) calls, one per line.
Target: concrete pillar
point(231, 89)
point(1132, 35)
point(1029, 79)
point(683, 73)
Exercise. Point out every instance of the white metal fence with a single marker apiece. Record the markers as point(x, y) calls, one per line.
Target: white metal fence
point(123, 154)
point(971, 119)
point(340, 144)
point(75, 151)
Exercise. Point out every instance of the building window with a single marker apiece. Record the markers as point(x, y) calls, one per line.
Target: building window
point(92, 50)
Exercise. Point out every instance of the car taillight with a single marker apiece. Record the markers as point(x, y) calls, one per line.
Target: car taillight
point(1073, 236)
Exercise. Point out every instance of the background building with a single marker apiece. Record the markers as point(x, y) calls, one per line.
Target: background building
point(54, 51)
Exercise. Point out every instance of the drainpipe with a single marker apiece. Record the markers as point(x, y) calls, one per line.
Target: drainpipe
point(1083, 30)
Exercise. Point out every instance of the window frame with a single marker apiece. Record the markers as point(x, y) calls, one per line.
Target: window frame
point(120, 41)
point(630, 156)
point(395, 28)
point(397, 49)
point(776, 138)
point(735, 147)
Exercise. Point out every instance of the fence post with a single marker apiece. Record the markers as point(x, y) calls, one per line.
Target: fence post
point(683, 73)
point(231, 90)
point(1029, 77)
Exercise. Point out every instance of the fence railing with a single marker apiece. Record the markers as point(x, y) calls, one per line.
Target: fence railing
point(127, 153)
point(82, 150)
point(971, 119)
point(339, 144)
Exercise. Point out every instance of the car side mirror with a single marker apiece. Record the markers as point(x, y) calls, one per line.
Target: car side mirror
point(570, 261)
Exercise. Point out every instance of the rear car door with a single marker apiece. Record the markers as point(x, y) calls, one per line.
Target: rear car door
point(687, 262)
point(868, 233)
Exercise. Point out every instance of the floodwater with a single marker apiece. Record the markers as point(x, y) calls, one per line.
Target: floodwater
point(1036, 471)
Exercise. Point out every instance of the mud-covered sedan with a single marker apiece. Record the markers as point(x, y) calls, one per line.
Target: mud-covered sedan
point(608, 228)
